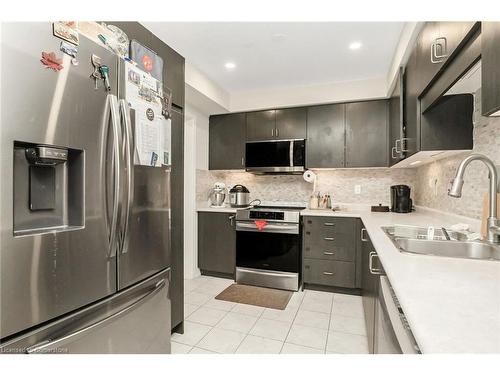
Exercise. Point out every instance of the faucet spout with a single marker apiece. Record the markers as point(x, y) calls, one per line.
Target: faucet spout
point(457, 183)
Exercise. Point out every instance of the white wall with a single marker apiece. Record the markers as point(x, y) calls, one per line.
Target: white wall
point(195, 157)
point(308, 95)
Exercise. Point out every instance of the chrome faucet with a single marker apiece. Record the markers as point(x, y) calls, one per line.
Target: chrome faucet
point(456, 191)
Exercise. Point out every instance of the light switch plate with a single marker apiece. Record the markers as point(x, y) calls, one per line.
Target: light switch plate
point(357, 189)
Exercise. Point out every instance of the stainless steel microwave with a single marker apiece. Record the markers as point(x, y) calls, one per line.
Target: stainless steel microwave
point(276, 156)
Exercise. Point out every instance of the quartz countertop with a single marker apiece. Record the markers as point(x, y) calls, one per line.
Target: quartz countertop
point(205, 208)
point(452, 305)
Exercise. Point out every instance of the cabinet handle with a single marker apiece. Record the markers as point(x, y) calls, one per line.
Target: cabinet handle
point(231, 219)
point(404, 144)
point(277, 132)
point(363, 235)
point(272, 132)
point(242, 161)
point(393, 150)
point(373, 271)
point(329, 238)
point(330, 224)
point(327, 253)
point(437, 58)
point(398, 141)
point(328, 273)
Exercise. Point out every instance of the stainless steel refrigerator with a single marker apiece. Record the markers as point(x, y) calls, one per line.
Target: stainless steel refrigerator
point(84, 232)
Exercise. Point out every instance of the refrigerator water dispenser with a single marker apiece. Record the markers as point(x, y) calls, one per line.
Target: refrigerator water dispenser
point(48, 188)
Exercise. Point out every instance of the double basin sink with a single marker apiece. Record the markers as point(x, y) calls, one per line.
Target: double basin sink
point(444, 243)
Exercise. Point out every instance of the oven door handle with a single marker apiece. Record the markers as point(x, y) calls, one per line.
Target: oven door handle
point(269, 228)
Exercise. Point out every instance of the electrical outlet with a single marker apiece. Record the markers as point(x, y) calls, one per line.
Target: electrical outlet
point(357, 189)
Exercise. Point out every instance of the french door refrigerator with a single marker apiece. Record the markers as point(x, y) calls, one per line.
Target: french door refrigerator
point(84, 231)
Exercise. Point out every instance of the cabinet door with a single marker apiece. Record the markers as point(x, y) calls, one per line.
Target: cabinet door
point(436, 43)
point(411, 128)
point(325, 145)
point(395, 124)
point(261, 126)
point(366, 134)
point(369, 290)
point(216, 242)
point(291, 123)
point(227, 141)
point(429, 54)
point(454, 33)
point(490, 72)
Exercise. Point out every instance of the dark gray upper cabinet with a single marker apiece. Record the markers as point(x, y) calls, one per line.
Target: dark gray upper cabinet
point(325, 136)
point(288, 123)
point(291, 123)
point(433, 122)
point(429, 54)
point(173, 63)
point(411, 115)
point(227, 141)
point(216, 243)
point(395, 123)
point(261, 125)
point(490, 71)
point(437, 42)
point(367, 134)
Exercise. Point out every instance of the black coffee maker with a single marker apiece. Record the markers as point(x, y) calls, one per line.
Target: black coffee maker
point(400, 199)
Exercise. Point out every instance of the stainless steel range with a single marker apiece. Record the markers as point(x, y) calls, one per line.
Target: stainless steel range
point(268, 246)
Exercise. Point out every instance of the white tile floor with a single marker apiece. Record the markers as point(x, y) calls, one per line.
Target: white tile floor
point(313, 322)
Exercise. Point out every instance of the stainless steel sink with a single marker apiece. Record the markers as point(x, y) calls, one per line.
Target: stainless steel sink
point(456, 247)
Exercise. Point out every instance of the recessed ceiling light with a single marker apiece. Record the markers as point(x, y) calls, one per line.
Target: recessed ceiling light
point(355, 45)
point(230, 65)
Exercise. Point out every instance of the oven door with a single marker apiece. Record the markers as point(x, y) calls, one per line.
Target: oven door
point(276, 247)
point(275, 156)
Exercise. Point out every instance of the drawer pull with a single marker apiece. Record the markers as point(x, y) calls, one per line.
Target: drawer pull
point(328, 273)
point(329, 224)
point(327, 253)
point(328, 238)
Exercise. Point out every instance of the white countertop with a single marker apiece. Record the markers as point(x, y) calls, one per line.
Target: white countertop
point(215, 209)
point(452, 305)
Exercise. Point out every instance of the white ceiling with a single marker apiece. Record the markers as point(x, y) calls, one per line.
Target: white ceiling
point(279, 55)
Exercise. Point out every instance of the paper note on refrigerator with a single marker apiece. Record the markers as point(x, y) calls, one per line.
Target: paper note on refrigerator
point(152, 130)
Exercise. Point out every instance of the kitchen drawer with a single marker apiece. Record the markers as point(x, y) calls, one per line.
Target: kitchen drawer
point(342, 249)
point(321, 230)
point(330, 225)
point(331, 273)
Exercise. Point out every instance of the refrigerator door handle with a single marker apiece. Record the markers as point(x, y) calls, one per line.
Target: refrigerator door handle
point(45, 345)
point(129, 164)
point(113, 105)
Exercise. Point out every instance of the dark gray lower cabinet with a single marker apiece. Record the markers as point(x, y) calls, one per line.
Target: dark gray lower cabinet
point(227, 141)
point(216, 243)
point(329, 251)
point(367, 134)
point(369, 288)
point(325, 136)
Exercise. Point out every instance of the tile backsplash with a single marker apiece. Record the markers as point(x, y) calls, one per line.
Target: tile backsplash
point(433, 179)
point(339, 183)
